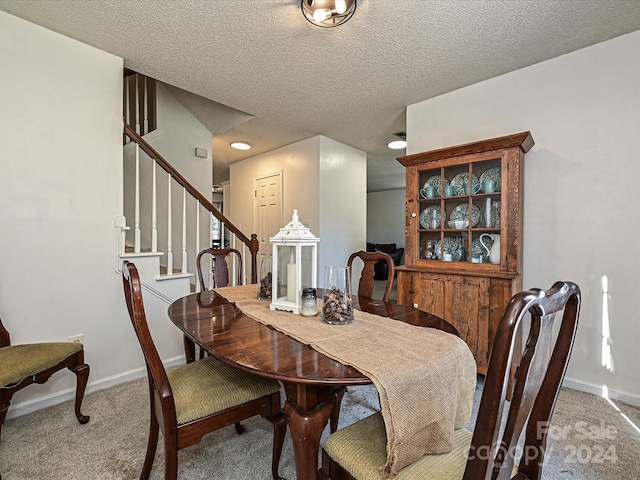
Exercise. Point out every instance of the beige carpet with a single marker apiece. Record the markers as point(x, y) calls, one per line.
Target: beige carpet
point(590, 440)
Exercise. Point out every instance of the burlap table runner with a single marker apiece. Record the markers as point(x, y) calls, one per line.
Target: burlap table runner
point(426, 378)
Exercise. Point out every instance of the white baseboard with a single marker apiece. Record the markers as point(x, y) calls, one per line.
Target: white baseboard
point(69, 394)
point(598, 390)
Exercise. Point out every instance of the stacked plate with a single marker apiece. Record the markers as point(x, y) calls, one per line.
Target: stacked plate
point(452, 245)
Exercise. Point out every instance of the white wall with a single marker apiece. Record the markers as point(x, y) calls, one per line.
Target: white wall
point(386, 217)
point(323, 179)
point(60, 189)
point(581, 219)
point(343, 204)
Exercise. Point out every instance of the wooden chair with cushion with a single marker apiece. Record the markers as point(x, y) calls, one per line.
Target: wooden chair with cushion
point(22, 365)
point(197, 398)
point(366, 283)
point(359, 450)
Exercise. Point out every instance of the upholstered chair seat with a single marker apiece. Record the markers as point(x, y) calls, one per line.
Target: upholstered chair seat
point(358, 448)
point(20, 361)
point(209, 386)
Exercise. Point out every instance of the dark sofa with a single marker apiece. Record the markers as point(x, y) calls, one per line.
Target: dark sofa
point(381, 270)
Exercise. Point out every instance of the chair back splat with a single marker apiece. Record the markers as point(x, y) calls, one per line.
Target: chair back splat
point(358, 451)
point(220, 267)
point(199, 397)
point(366, 283)
point(220, 279)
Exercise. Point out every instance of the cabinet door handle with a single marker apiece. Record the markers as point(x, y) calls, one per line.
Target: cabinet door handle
point(414, 215)
point(415, 305)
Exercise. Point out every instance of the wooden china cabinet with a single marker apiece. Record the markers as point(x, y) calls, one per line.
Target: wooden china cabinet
point(465, 271)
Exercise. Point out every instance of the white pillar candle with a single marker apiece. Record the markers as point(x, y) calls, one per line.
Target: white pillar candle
point(292, 291)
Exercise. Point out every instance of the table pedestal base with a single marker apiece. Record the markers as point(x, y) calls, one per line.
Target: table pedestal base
point(307, 411)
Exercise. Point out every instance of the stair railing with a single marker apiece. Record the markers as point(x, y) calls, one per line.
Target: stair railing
point(249, 245)
point(139, 105)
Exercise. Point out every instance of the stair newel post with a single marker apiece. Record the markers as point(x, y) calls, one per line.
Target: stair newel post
point(154, 210)
point(169, 227)
point(136, 215)
point(255, 246)
point(184, 230)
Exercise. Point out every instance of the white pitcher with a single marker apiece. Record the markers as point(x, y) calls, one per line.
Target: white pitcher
point(494, 253)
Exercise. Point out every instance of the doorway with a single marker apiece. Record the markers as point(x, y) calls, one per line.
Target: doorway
point(268, 209)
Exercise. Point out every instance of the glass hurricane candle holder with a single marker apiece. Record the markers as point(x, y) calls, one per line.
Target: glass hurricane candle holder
point(337, 304)
point(264, 288)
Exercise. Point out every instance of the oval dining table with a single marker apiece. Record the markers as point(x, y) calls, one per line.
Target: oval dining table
point(313, 382)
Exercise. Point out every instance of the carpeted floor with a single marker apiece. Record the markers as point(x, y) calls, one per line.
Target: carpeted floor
point(590, 439)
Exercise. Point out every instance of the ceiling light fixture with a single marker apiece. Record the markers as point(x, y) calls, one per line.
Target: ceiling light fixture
point(241, 146)
point(397, 144)
point(328, 13)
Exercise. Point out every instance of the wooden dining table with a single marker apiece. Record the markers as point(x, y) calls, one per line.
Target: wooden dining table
point(312, 381)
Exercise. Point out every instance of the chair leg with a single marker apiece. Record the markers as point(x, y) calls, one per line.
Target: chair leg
point(170, 456)
point(335, 413)
point(82, 376)
point(3, 413)
point(279, 432)
point(189, 349)
point(152, 444)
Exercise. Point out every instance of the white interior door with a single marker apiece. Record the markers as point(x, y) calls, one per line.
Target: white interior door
point(268, 213)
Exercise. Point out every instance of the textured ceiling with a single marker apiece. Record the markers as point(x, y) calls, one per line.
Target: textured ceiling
point(289, 80)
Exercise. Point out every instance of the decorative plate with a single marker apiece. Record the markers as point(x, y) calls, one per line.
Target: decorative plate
point(460, 180)
point(431, 217)
point(435, 182)
point(452, 246)
point(492, 174)
point(461, 212)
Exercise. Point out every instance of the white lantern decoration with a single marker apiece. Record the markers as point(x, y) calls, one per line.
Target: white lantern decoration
point(295, 265)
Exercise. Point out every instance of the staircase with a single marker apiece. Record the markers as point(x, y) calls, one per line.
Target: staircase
point(169, 220)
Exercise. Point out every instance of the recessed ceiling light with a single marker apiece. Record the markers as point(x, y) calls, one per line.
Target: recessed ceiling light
point(241, 145)
point(397, 144)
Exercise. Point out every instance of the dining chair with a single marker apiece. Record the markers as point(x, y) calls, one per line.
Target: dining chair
point(366, 283)
point(199, 397)
point(359, 450)
point(22, 365)
point(220, 266)
point(220, 279)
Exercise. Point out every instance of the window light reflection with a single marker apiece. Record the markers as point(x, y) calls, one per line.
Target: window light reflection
point(607, 359)
point(605, 395)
